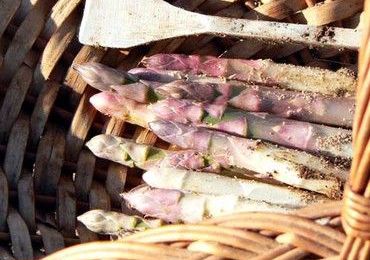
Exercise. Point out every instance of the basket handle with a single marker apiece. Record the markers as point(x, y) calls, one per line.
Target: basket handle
point(356, 209)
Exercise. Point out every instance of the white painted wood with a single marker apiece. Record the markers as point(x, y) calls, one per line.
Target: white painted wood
point(128, 23)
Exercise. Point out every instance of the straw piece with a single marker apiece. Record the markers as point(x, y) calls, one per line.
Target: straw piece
point(306, 244)
point(320, 210)
point(238, 238)
point(217, 249)
point(121, 250)
point(329, 237)
point(274, 253)
point(356, 249)
point(294, 254)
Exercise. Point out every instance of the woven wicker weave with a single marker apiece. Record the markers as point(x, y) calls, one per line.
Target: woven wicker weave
point(41, 95)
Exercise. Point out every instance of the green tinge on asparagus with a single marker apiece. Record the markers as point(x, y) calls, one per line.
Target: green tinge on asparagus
point(214, 184)
point(129, 153)
point(295, 168)
point(260, 71)
point(291, 133)
point(175, 206)
point(115, 223)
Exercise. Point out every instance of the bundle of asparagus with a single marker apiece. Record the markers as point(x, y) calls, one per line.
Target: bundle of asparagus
point(219, 110)
point(307, 106)
point(291, 133)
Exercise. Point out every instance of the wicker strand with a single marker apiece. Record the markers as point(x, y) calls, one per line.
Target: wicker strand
point(356, 209)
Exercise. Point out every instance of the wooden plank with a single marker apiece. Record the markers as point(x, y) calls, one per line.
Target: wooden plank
point(42, 109)
point(49, 161)
point(66, 207)
point(15, 150)
point(26, 201)
point(4, 195)
point(84, 174)
point(7, 11)
point(20, 236)
point(99, 198)
point(13, 100)
point(51, 238)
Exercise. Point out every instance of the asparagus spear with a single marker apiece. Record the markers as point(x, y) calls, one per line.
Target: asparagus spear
point(129, 153)
point(295, 168)
point(174, 206)
point(309, 107)
point(260, 71)
point(102, 77)
point(115, 223)
point(302, 135)
point(214, 184)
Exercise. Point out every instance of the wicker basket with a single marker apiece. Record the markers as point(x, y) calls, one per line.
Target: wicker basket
point(46, 182)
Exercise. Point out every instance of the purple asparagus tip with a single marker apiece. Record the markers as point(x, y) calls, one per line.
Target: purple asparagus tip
point(108, 104)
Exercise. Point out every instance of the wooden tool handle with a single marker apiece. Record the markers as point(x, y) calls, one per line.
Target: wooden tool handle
point(323, 36)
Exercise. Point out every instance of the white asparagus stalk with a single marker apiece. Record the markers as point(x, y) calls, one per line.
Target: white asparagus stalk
point(115, 223)
point(295, 168)
point(174, 206)
point(213, 184)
